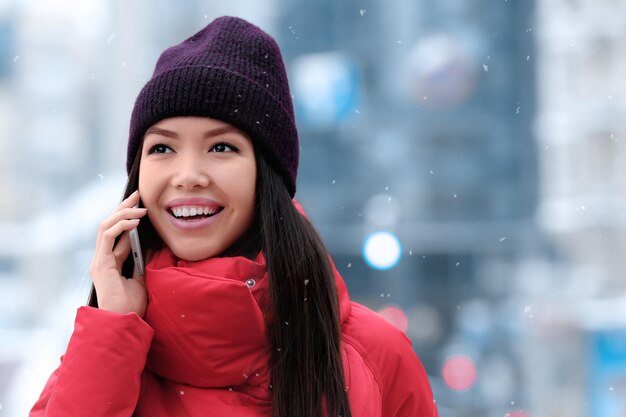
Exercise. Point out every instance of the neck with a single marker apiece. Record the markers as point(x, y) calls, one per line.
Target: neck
point(249, 245)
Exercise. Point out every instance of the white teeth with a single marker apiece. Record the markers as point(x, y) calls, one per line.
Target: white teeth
point(193, 211)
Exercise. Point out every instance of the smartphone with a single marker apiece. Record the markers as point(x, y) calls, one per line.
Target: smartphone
point(135, 248)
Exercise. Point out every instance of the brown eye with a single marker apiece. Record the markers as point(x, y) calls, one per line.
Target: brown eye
point(160, 148)
point(223, 147)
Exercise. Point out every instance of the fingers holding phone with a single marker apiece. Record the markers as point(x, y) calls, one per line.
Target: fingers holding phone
point(135, 248)
point(115, 292)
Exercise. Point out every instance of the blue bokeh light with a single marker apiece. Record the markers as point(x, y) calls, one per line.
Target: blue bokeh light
point(382, 250)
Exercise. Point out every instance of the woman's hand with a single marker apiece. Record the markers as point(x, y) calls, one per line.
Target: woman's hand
point(115, 292)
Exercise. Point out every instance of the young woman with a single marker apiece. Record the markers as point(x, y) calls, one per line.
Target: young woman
point(240, 311)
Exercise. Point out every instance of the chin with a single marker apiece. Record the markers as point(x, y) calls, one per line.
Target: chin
point(194, 255)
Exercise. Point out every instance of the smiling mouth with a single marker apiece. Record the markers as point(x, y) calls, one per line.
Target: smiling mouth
point(194, 212)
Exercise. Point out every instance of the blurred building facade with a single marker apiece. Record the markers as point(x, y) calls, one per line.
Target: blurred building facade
point(580, 130)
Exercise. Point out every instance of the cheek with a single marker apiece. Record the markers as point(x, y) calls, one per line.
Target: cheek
point(147, 183)
point(143, 189)
point(246, 186)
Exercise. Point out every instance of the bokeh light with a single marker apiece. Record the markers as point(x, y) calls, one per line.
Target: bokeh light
point(442, 70)
point(459, 373)
point(518, 413)
point(395, 316)
point(325, 87)
point(426, 324)
point(382, 250)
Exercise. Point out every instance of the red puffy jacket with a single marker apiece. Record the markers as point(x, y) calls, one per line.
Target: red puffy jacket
point(201, 350)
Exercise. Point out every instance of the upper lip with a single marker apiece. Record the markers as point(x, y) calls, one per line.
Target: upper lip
point(195, 201)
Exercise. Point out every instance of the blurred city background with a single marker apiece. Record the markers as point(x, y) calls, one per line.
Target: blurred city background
point(464, 160)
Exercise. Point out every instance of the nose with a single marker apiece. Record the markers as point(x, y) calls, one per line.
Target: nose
point(190, 173)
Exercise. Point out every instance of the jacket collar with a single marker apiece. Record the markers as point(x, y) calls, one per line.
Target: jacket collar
point(209, 319)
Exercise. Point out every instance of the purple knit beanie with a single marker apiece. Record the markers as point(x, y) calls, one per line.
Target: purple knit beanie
point(232, 71)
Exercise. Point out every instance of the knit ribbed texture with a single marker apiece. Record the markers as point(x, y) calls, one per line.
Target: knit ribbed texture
point(232, 71)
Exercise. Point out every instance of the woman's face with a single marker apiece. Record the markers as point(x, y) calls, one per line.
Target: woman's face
point(197, 178)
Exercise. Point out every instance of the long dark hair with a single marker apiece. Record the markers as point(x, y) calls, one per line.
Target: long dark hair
point(304, 326)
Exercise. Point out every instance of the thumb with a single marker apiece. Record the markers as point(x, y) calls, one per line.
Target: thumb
point(140, 279)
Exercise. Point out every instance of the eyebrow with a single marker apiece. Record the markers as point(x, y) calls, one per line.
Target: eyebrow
point(209, 133)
